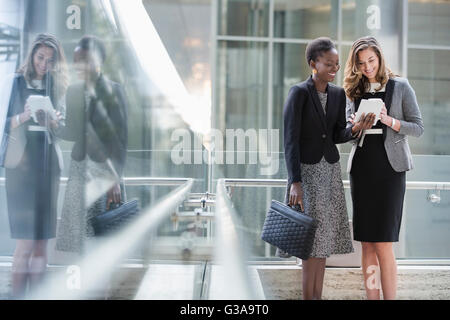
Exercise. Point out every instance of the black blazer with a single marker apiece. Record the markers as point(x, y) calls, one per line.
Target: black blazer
point(100, 129)
point(309, 134)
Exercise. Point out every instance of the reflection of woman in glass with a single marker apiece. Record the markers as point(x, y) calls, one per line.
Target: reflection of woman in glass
point(381, 159)
point(32, 185)
point(97, 122)
point(314, 121)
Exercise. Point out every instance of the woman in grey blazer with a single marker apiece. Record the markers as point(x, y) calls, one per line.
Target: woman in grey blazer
point(378, 161)
point(33, 160)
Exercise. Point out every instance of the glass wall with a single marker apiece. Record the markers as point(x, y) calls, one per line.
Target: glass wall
point(413, 36)
point(165, 77)
point(305, 19)
point(157, 54)
point(428, 48)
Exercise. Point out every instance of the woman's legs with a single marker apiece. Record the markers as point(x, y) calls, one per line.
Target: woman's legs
point(29, 264)
point(308, 280)
point(313, 271)
point(370, 268)
point(38, 263)
point(379, 269)
point(388, 266)
point(20, 267)
point(320, 274)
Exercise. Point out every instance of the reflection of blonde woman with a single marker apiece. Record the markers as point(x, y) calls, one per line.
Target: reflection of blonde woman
point(32, 185)
point(381, 159)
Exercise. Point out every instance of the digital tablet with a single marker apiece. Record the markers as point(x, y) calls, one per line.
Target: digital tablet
point(370, 105)
point(40, 103)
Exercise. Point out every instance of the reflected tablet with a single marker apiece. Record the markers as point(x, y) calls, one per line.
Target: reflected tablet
point(40, 103)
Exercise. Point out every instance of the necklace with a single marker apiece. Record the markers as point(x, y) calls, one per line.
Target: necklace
point(373, 87)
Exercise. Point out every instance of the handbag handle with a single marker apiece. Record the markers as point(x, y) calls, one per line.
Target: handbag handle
point(115, 205)
point(296, 207)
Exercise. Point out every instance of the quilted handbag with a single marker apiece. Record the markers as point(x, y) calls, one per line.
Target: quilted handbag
point(115, 218)
point(290, 230)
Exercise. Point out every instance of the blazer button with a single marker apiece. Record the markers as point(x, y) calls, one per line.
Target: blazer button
point(324, 136)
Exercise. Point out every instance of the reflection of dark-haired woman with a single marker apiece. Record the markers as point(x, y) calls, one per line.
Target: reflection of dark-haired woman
point(314, 121)
point(97, 122)
point(32, 182)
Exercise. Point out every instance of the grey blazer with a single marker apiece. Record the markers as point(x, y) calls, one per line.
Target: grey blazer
point(14, 103)
point(401, 104)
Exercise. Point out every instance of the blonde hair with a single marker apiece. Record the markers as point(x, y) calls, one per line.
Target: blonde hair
point(355, 83)
point(58, 73)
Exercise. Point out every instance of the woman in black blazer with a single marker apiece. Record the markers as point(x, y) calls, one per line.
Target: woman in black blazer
point(97, 123)
point(314, 121)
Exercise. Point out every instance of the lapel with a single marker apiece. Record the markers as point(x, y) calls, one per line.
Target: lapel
point(77, 103)
point(388, 100)
point(19, 91)
point(96, 95)
point(319, 114)
point(330, 111)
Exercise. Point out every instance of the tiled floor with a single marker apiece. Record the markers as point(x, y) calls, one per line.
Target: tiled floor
point(422, 282)
point(163, 281)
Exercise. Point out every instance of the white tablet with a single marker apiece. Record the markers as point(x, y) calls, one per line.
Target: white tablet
point(370, 106)
point(40, 103)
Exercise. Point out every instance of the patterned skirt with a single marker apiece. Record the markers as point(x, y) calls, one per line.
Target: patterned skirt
point(85, 198)
point(324, 200)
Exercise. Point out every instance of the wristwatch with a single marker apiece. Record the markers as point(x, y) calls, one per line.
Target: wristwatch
point(18, 119)
point(393, 123)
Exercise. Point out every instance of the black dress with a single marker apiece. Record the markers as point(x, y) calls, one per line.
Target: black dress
point(377, 189)
point(32, 187)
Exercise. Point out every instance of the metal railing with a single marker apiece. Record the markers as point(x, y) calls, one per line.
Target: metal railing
point(98, 265)
point(229, 182)
point(436, 186)
point(133, 181)
point(434, 197)
point(414, 185)
point(231, 250)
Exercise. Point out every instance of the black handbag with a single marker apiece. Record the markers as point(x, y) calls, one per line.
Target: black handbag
point(290, 230)
point(115, 218)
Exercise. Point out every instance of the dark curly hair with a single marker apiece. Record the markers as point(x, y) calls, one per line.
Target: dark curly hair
point(315, 48)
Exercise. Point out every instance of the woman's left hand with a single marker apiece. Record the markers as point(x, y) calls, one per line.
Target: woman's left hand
point(384, 118)
point(113, 195)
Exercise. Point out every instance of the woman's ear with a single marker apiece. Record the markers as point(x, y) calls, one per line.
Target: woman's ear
point(312, 65)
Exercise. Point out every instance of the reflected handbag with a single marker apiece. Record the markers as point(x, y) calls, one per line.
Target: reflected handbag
point(290, 230)
point(116, 218)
